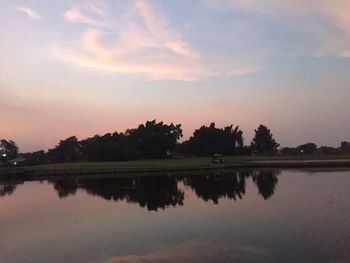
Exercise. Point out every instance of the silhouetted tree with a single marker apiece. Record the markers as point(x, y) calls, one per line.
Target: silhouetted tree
point(326, 150)
point(33, 158)
point(307, 148)
point(159, 140)
point(263, 142)
point(290, 151)
point(67, 150)
point(8, 150)
point(155, 140)
point(209, 140)
point(345, 147)
point(245, 150)
point(109, 147)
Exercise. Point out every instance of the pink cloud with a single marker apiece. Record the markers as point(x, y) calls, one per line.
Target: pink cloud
point(90, 15)
point(74, 15)
point(158, 26)
point(151, 48)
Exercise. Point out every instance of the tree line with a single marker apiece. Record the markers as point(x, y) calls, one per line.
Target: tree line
point(158, 140)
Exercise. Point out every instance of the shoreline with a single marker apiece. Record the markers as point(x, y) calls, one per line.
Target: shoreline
point(37, 172)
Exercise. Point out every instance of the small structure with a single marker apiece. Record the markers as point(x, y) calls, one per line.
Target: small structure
point(17, 161)
point(217, 158)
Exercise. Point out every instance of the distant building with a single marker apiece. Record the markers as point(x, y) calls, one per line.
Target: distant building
point(17, 161)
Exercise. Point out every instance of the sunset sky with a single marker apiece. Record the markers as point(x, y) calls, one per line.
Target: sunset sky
point(91, 67)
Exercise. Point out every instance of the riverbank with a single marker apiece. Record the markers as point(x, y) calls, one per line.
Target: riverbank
point(177, 166)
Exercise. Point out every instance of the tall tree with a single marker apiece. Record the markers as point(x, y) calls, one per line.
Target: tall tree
point(33, 158)
point(8, 150)
point(208, 140)
point(263, 142)
point(345, 147)
point(155, 139)
point(109, 147)
point(67, 150)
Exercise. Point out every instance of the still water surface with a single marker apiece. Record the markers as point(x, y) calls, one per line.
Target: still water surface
point(242, 216)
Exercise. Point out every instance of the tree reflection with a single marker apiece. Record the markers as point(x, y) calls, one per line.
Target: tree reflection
point(153, 192)
point(66, 187)
point(232, 185)
point(266, 181)
point(7, 187)
point(160, 192)
point(157, 192)
point(214, 187)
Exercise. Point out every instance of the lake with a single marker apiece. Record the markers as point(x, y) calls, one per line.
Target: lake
point(237, 216)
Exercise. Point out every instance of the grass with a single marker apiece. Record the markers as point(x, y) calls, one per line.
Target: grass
point(166, 163)
point(176, 163)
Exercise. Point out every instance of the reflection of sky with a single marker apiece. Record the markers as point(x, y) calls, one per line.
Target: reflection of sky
point(305, 220)
point(200, 252)
point(87, 67)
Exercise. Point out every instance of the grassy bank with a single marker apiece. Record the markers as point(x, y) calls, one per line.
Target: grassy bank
point(189, 162)
point(180, 164)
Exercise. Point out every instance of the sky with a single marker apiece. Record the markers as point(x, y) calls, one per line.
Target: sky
point(91, 67)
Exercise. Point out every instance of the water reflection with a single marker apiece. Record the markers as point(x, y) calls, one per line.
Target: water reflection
point(7, 187)
point(162, 191)
point(266, 182)
point(194, 251)
point(153, 192)
point(214, 187)
point(66, 187)
point(77, 219)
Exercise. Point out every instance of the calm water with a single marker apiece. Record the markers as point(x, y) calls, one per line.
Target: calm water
point(247, 216)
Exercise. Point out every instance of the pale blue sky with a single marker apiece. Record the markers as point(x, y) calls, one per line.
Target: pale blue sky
point(86, 67)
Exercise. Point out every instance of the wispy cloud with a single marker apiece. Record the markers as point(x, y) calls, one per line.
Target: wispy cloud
point(157, 24)
point(28, 11)
point(89, 14)
point(145, 44)
point(74, 15)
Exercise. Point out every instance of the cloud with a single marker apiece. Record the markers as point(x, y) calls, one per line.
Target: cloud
point(28, 11)
point(158, 26)
point(89, 14)
point(141, 42)
point(74, 15)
